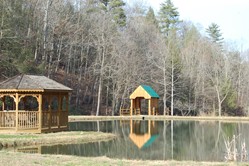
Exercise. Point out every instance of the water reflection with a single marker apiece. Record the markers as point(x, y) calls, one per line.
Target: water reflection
point(143, 133)
point(156, 140)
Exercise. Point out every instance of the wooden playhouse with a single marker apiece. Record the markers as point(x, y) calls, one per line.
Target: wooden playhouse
point(143, 92)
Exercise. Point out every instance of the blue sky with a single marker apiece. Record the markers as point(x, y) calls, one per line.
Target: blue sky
point(231, 15)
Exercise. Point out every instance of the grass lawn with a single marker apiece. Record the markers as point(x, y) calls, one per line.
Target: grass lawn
point(12, 140)
point(24, 159)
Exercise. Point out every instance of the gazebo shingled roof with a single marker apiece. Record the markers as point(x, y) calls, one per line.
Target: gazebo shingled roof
point(32, 82)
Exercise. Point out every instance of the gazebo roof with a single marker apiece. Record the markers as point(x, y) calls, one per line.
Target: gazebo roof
point(32, 83)
point(144, 91)
point(150, 91)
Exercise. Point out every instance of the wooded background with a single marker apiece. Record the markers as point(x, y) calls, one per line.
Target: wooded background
point(104, 49)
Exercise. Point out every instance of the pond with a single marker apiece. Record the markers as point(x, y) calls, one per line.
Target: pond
point(161, 140)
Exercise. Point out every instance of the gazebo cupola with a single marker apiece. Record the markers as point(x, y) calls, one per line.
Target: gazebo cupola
point(30, 103)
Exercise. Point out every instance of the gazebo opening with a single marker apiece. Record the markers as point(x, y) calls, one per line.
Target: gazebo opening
point(28, 103)
point(54, 104)
point(7, 103)
point(144, 106)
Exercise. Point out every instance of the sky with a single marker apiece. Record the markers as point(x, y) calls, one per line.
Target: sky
point(232, 16)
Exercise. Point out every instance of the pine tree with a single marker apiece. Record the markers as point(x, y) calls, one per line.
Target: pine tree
point(168, 22)
point(115, 7)
point(168, 17)
point(151, 18)
point(214, 33)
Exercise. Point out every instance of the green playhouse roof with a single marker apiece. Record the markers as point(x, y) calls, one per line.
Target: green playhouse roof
point(150, 91)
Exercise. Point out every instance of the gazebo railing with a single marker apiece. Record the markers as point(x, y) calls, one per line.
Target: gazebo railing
point(124, 111)
point(26, 119)
point(7, 119)
point(30, 119)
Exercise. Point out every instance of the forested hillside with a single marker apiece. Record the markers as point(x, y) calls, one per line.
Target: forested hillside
point(104, 49)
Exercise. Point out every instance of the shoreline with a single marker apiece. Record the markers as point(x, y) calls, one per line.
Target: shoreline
point(78, 118)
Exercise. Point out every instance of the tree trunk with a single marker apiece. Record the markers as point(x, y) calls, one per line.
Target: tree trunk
point(100, 81)
point(45, 30)
point(165, 92)
point(99, 95)
point(172, 88)
point(1, 27)
point(59, 55)
point(69, 59)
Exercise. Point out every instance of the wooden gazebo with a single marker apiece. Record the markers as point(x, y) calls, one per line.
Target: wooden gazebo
point(33, 104)
point(144, 92)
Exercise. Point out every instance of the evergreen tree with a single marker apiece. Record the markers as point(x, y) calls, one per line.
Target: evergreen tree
point(151, 18)
point(116, 9)
point(214, 33)
point(168, 17)
point(168, 22)
point(118, 12)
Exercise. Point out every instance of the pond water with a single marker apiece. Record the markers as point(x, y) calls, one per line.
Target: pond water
point(160, 140)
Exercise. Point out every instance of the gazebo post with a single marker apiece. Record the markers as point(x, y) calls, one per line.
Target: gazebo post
point(149, 107)
point(49, 111)
point(131, 109)
point(59, 111)
point(40, 112)
point(135, 106)
point(67, 106)
point(3, 103)
point(16, 101)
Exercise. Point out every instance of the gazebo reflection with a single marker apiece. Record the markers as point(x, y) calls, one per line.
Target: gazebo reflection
point(143, 133)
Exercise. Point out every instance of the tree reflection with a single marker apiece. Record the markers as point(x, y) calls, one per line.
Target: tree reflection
point(159, 140)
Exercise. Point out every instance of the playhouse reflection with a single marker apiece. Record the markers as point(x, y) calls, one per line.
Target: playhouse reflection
point(143, 133)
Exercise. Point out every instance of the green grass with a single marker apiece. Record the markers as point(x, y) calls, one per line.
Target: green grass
point(12, 140)
point(23, 159)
